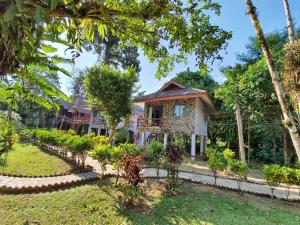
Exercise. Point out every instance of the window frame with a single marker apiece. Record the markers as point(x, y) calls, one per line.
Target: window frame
point(182, 110)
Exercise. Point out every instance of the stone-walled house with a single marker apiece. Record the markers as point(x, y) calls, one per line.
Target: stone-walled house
point(176, 109)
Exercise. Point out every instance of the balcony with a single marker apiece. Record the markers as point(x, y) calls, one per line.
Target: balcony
point(81, 119)
point(154, 122)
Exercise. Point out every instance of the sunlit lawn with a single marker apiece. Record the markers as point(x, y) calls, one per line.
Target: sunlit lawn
point(28, 159)
point(197, 204)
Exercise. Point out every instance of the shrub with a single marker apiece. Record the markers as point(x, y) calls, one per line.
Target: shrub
point(215, 162)
point(297, 172)
point(289, 177)
point(131, 167)
point(272, 174)
point(101, 140)
point(71, 132)
point(174, 157)
point(238, 168)
point(121, 136)
point(131, 149)
point(79, 146)
point(116, 156)
point(102, 154)
point(156, 151)
point(228, 154)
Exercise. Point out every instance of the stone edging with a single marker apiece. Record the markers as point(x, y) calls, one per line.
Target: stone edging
point(48, 187)
point(51, 175)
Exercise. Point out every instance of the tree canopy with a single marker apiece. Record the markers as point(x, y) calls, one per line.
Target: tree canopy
point(166, 30)
point(110, 92)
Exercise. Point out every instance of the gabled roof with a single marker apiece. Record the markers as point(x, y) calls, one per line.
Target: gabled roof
point(171, 90)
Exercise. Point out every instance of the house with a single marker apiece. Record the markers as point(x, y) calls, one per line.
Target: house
point(74, 115)
point(176, 109)
point(81, 117)
point(99, 126)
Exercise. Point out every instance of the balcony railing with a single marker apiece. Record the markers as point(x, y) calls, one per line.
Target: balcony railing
point(153, 122)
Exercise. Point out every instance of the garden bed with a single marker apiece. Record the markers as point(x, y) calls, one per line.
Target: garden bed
point(103, 204)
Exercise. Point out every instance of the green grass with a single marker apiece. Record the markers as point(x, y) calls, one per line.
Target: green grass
point(198, 204)
point(28, 159)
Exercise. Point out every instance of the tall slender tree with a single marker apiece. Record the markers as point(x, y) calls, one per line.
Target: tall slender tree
point(276, 80)
point(289, 21)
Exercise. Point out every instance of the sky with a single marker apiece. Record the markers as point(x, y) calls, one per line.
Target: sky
point(233, 18)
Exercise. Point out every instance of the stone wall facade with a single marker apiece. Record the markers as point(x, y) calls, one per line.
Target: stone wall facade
point(171, 123)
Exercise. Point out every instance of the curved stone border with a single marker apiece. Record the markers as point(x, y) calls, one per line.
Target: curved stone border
point(75, 171)
point(24, 185)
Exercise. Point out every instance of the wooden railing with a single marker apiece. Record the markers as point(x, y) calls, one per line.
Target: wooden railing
point(154, 122)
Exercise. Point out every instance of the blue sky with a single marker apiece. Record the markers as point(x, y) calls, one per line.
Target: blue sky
point(233, 18)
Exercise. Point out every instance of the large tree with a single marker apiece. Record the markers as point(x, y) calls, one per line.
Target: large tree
point(276, 80)
point(165, 30)
point(110, 91)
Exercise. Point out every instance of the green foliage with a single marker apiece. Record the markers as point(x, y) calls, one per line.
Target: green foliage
point(228, 154)
point(110, 91)
point(121, 136)
point(157, 28)
point(156, 152)
point(101, 140)
point(215, 161)
point(102, 154)
point(238, 167)
point(273, 175)
point(289, 177)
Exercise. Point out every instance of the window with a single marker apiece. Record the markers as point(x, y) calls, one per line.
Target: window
point(180, 110)
point(95, 113)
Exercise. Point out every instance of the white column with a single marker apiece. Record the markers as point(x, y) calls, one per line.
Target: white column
point(201, 145)
point(165, 139)
point(98, 131)
point(193, 147)
point(143, 139)
point(89, 130)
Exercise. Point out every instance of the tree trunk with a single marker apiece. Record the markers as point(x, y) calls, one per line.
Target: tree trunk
point(289, 21)
point(249, 139)
point(285, 146)
point(288, 119)
point(240, 133)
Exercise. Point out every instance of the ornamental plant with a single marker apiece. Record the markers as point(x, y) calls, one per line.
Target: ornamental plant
point(273, 176)
point(101, 140)
point(238, 168)
point(215, 162)
point(289, 177)
point(132, 168)
point(156, 151)
point(102, 154)
point(174, 158)
point(228, 154)
point(116, 155)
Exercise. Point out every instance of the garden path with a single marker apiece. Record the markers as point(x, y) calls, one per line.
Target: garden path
point(16, 183)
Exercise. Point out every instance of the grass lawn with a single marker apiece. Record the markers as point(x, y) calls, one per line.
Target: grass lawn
point(28, 159)
point(197, 204)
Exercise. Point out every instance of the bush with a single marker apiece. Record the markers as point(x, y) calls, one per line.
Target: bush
point(215, 162)
point(156, 151)
point(228, 154)
point(121, 136)
point(101, 140)
point(116, 155)
point(273, 175)
point(289, 177)
point(102, 154)
point(174, 157)
point(238, 168)
point(131, 149)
